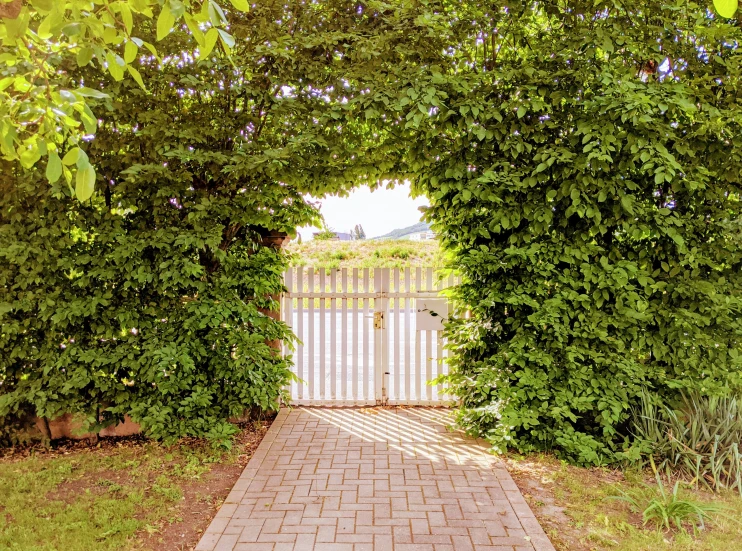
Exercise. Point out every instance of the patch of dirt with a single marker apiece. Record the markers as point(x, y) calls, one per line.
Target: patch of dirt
point(203, 497)
point(66, 446)
point(537, 479)
point(102, 482)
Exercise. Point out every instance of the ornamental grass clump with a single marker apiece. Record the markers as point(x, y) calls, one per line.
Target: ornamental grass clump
point(669, 510)
point(698, 438)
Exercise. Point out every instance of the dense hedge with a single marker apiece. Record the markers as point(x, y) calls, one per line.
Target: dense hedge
point(148, 299)
point(151, 299)
point(584, 170)
point(115, 312)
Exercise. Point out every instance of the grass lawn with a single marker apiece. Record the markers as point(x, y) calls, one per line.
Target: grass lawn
point(575, 509)
point(121, 494)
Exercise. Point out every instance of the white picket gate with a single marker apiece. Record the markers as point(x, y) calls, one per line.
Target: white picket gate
point(362, 339)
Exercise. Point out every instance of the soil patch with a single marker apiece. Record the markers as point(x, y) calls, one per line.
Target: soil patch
point(202, 498)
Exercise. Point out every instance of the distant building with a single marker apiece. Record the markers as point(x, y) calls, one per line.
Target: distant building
point(339, 236)
point(422, 236)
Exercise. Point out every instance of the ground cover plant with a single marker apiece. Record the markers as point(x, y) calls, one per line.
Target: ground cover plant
point(120, 494)
point(697, 438)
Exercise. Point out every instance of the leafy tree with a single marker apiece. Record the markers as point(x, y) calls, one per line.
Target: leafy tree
point(358, 232)
point(43, 112)
point(153, 298)
point(582, 162)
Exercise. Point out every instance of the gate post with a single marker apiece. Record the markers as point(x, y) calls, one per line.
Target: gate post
point(381, 335)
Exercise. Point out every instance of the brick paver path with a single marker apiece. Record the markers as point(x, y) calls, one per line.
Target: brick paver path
point(382, 479)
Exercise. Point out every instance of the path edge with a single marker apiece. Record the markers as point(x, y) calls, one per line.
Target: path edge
point(213, 533)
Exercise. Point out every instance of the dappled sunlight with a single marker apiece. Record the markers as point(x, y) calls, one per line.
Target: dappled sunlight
point(416, 432)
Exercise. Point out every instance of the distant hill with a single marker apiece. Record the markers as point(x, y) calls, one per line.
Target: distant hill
point(401, 233)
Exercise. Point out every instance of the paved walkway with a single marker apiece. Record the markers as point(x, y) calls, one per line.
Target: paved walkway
point(372, 478)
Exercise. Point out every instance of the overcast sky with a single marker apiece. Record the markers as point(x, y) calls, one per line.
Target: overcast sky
point(379, 212)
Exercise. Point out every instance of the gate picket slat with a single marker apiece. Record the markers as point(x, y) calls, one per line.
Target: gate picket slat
point(333, 341)
point(300, 332)
point(366, 385)
point(310, 336)
point(429, 346)
point(355, 336)
point(408, 341)
point(396, 336)
point(288, 314)
point(438, 364)
point(418, 336)
point(344, 337)
point(322, 359)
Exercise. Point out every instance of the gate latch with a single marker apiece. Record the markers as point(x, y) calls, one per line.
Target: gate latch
point(378, 320)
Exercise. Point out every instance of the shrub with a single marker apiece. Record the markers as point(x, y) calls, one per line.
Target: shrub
point(585, 180)
point(153, 299)
point(127, 311)
point(394, 251)
point(327, 234)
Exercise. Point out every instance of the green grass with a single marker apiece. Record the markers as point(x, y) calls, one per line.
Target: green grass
point(366, 254)
point(596, 521)
point(107, 498)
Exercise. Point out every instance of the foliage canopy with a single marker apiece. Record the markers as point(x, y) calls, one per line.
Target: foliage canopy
point(42, 110)
point(584, 169)
point(151, 298)
point(582, 161)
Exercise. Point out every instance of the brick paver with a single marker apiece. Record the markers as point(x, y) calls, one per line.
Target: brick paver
point(362, 479)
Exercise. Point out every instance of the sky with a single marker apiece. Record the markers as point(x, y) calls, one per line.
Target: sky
point(379, 211)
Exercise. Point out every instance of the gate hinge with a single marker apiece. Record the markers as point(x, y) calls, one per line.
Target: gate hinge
point(378, 320)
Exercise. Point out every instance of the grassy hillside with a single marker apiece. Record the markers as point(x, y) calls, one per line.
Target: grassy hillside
point(366, 254)
point(402, 232)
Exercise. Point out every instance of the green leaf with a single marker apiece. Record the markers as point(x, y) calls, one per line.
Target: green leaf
point(241, 5)
point(130, 52)
point(84, 56)
point(195, 29)
point(126, 16)
point(522, 112)
point(116, 65)
point(726, 8)
point(89, 120)
point(91, 93)
point(627, 203)
point(71, 157)
point(29, 156)
point(85, 183)
point(136, 76)
point(212, 35)
point(53, 167)
point(82, 159)
point(227, 39)
point(165, 22)
point(43, 5)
